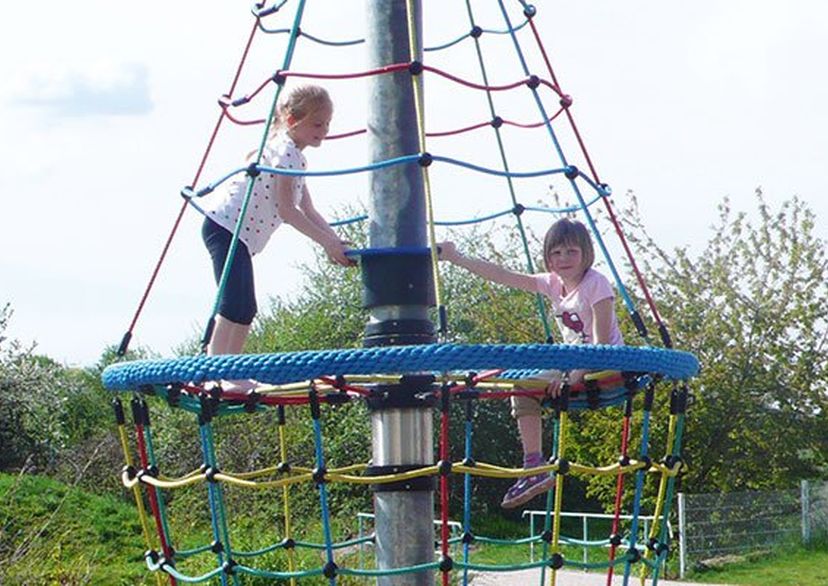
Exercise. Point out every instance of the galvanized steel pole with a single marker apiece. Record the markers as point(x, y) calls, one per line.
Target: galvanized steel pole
point(398, 291)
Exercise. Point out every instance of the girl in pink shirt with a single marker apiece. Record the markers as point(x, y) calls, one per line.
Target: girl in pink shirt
point(583, 303)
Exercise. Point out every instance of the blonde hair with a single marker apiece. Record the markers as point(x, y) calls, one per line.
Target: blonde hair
point(566, 232)
point(299, 102)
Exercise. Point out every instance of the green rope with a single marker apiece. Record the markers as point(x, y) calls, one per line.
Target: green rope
point(530, 265)
point(231, 252)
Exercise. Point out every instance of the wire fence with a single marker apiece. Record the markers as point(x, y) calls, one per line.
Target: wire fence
point(719, 524)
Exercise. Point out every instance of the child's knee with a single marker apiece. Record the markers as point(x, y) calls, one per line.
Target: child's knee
point(522, 406)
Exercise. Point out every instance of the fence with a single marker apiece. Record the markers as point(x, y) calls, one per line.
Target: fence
point(713, 525)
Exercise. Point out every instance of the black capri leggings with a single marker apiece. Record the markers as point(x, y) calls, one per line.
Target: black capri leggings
point(238, 302)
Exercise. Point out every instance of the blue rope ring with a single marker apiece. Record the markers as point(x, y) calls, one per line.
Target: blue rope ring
point(297, 366)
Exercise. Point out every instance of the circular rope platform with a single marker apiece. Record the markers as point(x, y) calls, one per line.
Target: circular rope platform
point(294, 366)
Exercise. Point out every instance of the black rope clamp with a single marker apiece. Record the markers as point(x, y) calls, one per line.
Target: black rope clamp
point(316, 412)
point(444, 466)
point(216, 547)
point(252, 170)
point(470, 462)
point(530, 11)
point(229, 567)
point(468, 538)
point(319, 475)
point(330, 570)
point(533, 81)
point(287, 543)
point(646, 460)
point(174, 394)
point(615, 539)
point(571, 172)
point(556, 561)
point(475, 32)
point(118, 408)
point(279, 78)
point(283, 468)
point(415, 68)
point(425, 160)
point(152, 555)
point(624, 460)
point(563, 467)
point(546, 536)
point(446, 564)
point(633, 555)
point(251, 401)
point(210, 473)
point(129, 470)
point(518, 209)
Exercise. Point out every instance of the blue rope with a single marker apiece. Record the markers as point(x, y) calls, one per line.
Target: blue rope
point(353, 42)
point(212, 497)
point(307, 365)
point(639, 490)
point(323, 494)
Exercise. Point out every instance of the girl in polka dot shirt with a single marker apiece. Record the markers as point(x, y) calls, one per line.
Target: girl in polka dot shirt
point(302, 120)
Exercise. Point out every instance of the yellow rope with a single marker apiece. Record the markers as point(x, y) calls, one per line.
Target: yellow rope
point(662, 491)
point(419, 106)
point(286, 501)
point(559, 481)
point(346, 474)
point(136, 492)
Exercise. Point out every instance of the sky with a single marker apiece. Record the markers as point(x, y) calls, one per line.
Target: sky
point(106, 110)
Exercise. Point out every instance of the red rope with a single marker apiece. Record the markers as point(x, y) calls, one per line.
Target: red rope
point(642, 283)
point(444, 489)
point(153, 499)
point(619, 490)
point(177, 222)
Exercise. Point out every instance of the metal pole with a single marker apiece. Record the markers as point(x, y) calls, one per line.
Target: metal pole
point(398, 291)
point(682, 536)
point(806, 511)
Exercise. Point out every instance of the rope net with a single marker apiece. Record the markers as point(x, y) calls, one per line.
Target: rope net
point(314, 382)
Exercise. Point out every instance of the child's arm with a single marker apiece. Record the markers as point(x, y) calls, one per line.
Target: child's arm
point(307, 207)
point(602, 312)
point(486, 269)
point(295, 216)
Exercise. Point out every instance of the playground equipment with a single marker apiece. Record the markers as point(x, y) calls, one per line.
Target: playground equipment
point(405, 371)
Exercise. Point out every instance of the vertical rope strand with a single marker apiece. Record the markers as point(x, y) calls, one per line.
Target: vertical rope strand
point(619, 484)
point(128, 335)
point(283, 455)
point(665, 336)
point(136, 489)
point(530, 264)
point(231, 252)
point(419, 107)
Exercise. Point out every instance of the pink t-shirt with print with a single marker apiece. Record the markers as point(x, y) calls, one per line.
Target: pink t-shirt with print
point(573, 310)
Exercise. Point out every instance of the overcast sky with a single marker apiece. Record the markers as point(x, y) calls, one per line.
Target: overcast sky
point(106, 109)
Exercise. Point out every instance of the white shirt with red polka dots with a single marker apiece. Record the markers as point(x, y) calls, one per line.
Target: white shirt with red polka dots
point(262, 215)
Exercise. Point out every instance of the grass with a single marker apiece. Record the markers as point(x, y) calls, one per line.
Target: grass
point(793, 566)
point(54, 534)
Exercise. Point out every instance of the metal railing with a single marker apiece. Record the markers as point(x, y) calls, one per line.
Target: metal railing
point(645, 520)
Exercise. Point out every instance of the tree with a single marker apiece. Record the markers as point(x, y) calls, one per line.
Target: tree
point(753, 307)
